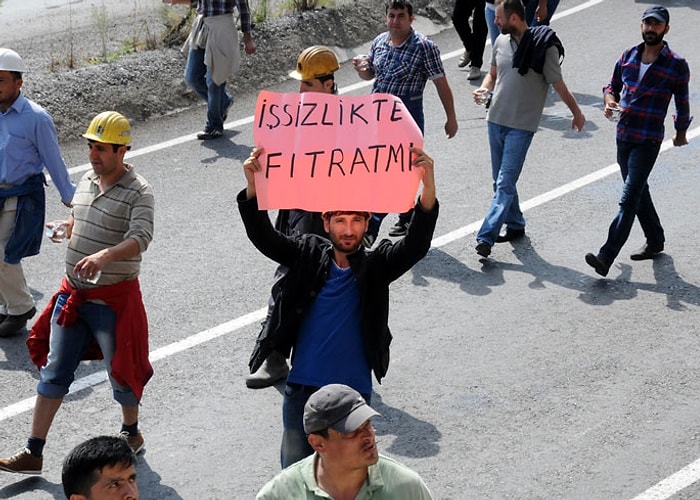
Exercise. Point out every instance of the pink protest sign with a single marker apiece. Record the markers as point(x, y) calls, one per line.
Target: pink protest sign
point(326, 152)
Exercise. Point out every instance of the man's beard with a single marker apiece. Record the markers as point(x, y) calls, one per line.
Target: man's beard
point(506, 30)
point(651, 38)
point(340, 246)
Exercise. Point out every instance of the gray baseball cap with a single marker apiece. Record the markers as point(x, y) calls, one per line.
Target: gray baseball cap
point(337, 407)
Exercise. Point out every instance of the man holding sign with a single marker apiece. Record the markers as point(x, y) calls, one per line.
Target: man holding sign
point(332, 306)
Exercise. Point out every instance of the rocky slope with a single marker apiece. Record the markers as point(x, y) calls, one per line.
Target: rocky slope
point(149, 83)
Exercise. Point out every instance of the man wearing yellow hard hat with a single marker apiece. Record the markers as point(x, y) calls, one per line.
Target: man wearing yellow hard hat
point(28, 144)
point(315, 70)
point(97, 312)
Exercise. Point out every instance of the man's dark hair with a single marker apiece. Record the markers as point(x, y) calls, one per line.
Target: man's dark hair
point(83, 465)
point(511, 7)
point(16, 75)
point(331, 213)
point(399, 5)
point(330, 77)
point(323, 433)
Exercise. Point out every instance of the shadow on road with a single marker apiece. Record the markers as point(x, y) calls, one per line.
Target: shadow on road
point(593, 290)
point(29, 484)
point(414, 438)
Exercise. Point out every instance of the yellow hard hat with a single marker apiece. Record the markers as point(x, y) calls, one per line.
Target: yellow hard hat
point(109, 127)
point(315, 62)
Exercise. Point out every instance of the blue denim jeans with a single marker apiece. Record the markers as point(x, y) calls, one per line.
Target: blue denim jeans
point(490, 15)
point(68, 345)
point(636, 162)
point(295, 446)
point(508, 150)
point(199, 79)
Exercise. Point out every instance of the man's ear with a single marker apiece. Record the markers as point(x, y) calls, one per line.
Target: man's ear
point(75, 496)
point(316, 442)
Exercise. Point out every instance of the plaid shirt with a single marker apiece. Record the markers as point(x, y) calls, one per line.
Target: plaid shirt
point(209, 8)
point(645, 103)
point(404, 70)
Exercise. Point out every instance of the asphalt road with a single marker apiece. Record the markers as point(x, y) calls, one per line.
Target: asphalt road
point(522, 377)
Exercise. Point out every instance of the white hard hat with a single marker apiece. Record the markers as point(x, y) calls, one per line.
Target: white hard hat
point(11, 61)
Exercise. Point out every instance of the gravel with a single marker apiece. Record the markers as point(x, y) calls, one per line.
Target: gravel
point(149, 83)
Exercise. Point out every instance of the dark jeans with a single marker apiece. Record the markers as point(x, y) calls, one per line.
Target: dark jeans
point(414, 105)
point(636, 162)
point(474, 42)
point(531, 9)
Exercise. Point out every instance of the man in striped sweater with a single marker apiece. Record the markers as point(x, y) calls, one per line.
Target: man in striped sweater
point(98, 312)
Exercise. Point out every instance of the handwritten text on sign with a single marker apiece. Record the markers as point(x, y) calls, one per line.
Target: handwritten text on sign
point(327, 152)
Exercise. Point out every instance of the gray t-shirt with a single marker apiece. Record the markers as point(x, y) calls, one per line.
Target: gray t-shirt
point(518, 100)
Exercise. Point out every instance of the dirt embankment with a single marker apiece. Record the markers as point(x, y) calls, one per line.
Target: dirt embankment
point(149, 83)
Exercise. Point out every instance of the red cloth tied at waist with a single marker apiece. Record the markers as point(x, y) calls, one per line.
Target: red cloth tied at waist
point(130, 365)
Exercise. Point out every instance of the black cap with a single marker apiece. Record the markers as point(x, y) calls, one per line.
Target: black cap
point(657, 12)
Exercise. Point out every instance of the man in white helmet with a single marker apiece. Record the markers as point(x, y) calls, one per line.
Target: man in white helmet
point(28, 143)
point(98, 311)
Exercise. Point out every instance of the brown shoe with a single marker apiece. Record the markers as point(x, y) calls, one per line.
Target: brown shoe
point(22, 462)
point(135, 442)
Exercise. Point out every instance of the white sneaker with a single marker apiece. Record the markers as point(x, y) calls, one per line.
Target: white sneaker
point(474, 73)
point(464, 60)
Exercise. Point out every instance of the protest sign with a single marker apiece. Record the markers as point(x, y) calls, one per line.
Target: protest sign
point(327, 152)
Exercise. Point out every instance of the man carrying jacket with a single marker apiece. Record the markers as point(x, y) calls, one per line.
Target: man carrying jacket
point(332, 307)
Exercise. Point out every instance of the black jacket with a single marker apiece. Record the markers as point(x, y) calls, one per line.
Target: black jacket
point(532, 51)
point(309, 258)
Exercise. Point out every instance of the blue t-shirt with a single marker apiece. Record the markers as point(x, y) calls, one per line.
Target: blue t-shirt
point(330, 349)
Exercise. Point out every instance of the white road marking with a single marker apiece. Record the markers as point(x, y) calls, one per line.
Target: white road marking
point(673, 483)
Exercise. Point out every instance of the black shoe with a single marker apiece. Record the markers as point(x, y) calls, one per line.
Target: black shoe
point(227, 110)
point(205, 135)
point(511, 235)
point(647, 251)
point(483, 248)
point(598, 263)
point(399, 229)
point(14, 325)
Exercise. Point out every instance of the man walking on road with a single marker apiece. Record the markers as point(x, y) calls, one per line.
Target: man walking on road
point(98, 311)
point(214, 56)
point(28, 143)
point(473, 37)
point(401, 61)
point(345, 462)
point(524, 63)
point(332, 307)
point(643, 81)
